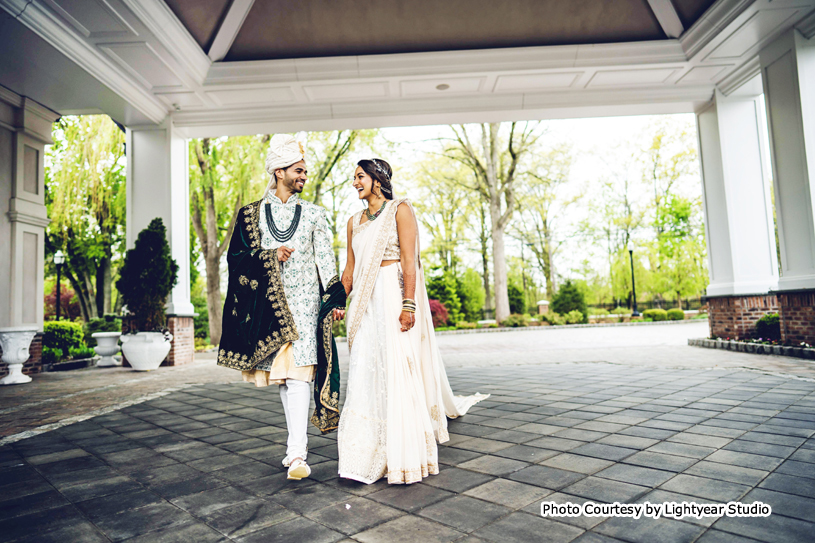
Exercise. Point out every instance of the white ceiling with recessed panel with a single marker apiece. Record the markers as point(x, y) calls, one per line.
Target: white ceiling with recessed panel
point(139, 50)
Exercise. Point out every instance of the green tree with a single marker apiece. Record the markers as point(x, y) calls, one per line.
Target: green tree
point(494, 160)
point(471, 293)
point(443, 288)
point(517, 298)
point(681, 243)
point(331, 166)
point(85, 197)
point(569, 298)
point(223, 173)
point(541, 205)
point(441, 209)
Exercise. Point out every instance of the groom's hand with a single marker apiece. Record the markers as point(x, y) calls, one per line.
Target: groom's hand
point(284, 253)
point(339, 314)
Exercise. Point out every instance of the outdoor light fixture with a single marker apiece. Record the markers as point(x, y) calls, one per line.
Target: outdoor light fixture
point(634, 312)
point(59, 260)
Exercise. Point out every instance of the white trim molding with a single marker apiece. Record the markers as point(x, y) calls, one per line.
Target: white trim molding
point(665, 13)
point(229, 29)
point(45, 24)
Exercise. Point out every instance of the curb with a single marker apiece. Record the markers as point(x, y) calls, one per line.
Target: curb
point(754, 348)
point(550, 327)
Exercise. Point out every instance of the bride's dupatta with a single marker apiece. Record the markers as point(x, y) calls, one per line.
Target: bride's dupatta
point(420, 341)
point(372, 244)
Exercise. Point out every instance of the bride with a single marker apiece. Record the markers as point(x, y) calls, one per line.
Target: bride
point(398, 397)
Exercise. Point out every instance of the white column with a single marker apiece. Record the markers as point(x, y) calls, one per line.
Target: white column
point(738, 210)
point(158, 186)
point(788, 71)
point(25, 130)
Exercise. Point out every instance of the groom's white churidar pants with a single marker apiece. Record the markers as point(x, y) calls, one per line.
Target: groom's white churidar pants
point(296, 397)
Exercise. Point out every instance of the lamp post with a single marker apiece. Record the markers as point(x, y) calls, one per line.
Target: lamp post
point(59, 260)
point(634, 312)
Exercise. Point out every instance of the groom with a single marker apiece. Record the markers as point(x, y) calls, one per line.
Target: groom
point(283, 295)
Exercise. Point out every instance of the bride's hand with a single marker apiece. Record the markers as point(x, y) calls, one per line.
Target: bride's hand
point(407, 320)
point(339, 314)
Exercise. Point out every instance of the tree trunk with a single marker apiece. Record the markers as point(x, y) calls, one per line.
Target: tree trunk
point(547, 264)
point(485, 258)
point(84, 303)
point(499, 271)
point(103, 287)
point(214, 302)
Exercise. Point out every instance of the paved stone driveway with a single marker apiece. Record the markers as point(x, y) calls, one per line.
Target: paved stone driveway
point(203, 464)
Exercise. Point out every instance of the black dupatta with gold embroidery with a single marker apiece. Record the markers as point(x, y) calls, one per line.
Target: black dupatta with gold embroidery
point(326, 415)
point(257, 320)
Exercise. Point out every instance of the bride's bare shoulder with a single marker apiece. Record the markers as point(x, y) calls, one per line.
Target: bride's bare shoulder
point(404, 208)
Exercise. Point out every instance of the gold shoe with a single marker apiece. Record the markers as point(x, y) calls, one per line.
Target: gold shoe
point(298, 470)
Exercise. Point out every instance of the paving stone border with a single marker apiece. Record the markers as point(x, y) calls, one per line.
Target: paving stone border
point(755, 348)
point(550, 327)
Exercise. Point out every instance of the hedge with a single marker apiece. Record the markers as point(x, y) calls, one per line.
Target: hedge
point(655, 314)
point(63, 335)
point(676, 314)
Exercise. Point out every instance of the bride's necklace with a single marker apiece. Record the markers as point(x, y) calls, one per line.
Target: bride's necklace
point(372, 217)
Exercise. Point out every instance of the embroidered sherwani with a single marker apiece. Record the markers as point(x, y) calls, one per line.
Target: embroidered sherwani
point(311, 264)
point(274, 310)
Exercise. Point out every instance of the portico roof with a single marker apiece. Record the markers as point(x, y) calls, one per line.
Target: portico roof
point(250, 66)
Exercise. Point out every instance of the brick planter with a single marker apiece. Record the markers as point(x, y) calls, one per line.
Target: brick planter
point(34, 363)
point(736, 316)
point(797, 315)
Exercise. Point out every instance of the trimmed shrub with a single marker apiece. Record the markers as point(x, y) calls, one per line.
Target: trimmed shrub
point(621, 311)
point(83, 351)
point(62, 335)
point(517, 299)
point(51, 355)
point(593, 311)
point(443, 288)
point(110, 323)
point(147, 277)
point(676, 314)
point(769, 327)
point(516, 320)
point(464, 325)
point(574, 317)
point(655, 314)
point(569, 298)
point(439, 313)
point(553, 318)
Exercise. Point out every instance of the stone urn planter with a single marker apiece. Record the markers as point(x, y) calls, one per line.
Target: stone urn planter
point(15, 342)
point(146, 351)
point(107, 345)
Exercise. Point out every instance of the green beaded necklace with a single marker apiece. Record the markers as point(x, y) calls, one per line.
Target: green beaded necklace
point(372, 217)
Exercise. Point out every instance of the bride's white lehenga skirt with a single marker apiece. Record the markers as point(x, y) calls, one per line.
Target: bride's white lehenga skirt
point(398, 396)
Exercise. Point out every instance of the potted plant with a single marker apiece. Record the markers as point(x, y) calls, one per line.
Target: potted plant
point(146, 279)
point(103, 336)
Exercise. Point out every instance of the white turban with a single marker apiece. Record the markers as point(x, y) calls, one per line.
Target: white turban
point(284, 151)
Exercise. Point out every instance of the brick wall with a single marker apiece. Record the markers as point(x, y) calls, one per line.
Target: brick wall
point(797, 312)
point(736, 316)
point(33, 364)
point(183, 350)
